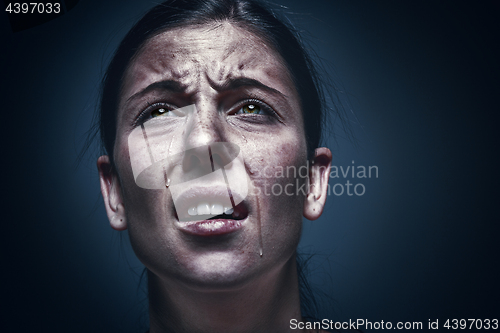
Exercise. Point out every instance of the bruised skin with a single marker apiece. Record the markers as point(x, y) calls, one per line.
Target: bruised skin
point(202, 60)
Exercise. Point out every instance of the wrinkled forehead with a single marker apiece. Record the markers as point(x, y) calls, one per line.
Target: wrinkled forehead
point(216, 52)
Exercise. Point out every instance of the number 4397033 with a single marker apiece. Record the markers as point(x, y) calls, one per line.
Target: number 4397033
point(33, 8)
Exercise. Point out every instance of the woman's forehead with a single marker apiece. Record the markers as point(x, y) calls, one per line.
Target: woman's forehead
point(191, 55)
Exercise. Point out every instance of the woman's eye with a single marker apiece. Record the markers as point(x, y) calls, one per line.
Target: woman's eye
point(252, 108)
point(159, 112)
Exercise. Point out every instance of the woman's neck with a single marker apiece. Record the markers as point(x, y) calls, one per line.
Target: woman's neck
point(264, 305)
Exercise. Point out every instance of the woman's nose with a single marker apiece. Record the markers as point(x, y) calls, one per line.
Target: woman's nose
point(204, 126)
point(204, 129)
point(201, 161)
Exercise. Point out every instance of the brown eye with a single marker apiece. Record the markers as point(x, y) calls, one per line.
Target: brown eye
point(159, 112)
point(251, 108)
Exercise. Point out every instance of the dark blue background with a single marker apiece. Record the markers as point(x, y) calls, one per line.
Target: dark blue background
point(422, 243)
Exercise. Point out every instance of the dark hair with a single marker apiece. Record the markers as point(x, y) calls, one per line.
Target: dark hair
point(248, 14)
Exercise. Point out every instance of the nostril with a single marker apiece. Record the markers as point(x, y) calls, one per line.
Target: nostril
point(191, 162)
point(217, 159)
point(194, 162)
point(223, 153)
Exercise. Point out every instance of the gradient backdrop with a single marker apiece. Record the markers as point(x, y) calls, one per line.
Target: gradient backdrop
point(422, 243)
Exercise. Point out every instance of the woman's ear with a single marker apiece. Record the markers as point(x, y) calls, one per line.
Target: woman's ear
point(111, 193)
point(318, 184)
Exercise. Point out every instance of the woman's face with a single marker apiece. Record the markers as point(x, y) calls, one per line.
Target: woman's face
point(239, 92)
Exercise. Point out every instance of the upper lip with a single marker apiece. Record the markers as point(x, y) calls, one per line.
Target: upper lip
point(214, 193)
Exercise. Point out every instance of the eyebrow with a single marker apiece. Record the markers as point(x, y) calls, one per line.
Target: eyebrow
point(231, 84)
point(170, 85)
point(239, 82)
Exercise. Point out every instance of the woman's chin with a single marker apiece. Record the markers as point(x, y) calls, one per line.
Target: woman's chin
point(221, 271)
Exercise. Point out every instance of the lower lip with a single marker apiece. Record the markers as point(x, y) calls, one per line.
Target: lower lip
point(211, 227)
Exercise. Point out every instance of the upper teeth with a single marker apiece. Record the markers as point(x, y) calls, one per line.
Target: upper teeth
point(206, 209)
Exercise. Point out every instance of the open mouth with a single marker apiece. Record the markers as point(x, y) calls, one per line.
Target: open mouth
point(212, 225)
point(207, 209)
point(206, 212)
